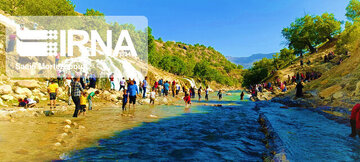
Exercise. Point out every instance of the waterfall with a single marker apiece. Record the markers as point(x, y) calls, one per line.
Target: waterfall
point(121, 67)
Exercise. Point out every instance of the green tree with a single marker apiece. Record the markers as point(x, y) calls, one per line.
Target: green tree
point(11, 6)
point(327, 27)
point(92, 12)
point(308, 32)
point(258, 72)
point(353, 10)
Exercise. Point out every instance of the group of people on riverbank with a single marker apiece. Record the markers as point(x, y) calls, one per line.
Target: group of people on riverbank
point(77, 86)
point(297, 79)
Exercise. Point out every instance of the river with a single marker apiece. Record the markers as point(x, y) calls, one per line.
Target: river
point(227, 133)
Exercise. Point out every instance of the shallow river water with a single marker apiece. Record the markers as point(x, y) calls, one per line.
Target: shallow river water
point(230, 132)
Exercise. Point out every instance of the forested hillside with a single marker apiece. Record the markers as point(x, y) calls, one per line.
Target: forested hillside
point(198, 61)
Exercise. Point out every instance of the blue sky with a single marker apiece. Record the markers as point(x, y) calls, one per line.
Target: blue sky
point(233, 27)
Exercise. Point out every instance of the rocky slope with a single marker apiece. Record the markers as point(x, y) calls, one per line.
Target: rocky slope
point(339, 85)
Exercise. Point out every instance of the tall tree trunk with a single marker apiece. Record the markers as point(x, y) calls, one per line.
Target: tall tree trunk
point(312, 49)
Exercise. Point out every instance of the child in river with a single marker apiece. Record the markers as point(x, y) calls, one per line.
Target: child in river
point(152, 96)
point(83, 99)
point(187, 99)
point(125, 99)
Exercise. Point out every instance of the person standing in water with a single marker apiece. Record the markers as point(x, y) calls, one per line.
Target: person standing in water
point(52, 90)
point(220, 94)
point(75, 94)
point(199, 92)
point(122, 83)
point(187, 99)
point(152, 96)
point(145, 84)
point(83, 104)
point(242, 95)
point(177, 88)
point(132, 92)
point(173, 88)
point(112, 84)
point(124, 100)
point(299, 87)
point(166, 88)
point(207, 93)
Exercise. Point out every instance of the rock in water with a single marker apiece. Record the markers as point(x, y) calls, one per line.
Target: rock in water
point(57, 144)
point(152, 116)
point(68, 121)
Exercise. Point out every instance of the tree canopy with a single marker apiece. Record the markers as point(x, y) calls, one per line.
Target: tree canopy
point(309, 31)
point(353, 10)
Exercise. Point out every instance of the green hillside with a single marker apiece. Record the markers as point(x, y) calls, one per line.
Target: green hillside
point(198, 61)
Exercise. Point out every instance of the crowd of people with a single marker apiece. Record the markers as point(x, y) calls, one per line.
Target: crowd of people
point(77, 87)
point(297, 79)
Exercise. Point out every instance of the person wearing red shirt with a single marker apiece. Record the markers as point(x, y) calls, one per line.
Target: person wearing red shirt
point(187, 99)
point(355, 120)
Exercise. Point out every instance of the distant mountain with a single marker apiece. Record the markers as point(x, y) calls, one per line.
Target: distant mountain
point(247, 62)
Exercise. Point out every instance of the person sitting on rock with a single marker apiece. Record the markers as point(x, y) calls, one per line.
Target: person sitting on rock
point(354, 121)
point(22, 102)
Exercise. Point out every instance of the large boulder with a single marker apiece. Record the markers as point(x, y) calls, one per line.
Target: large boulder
point(338, 95)
point(357, 90)
point(7, 97)
point(31, 84)
point(326, 93)
point(113, 97)
point(23, 91)
point(5, 89)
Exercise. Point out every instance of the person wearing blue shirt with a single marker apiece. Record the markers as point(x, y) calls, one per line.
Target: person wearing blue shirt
point(132, 92)
point(166, 88)
point(144, 86)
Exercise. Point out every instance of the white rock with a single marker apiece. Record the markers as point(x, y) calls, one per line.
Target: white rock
point(153, 116)
point(338, 95)
point(63, 135)
point(5, 89)
point(7, 97)
point(23, 91)
point(67, 126)
point(68, 121)
point(57, 144)
point(27, 84)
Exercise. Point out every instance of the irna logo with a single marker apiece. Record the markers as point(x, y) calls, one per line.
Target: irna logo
point(45, 43)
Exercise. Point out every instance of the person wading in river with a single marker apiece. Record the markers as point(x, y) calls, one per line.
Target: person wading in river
point(355, 121)
point(299, 87)
point(132, 92)
point(242, 95)
point(75, 94)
